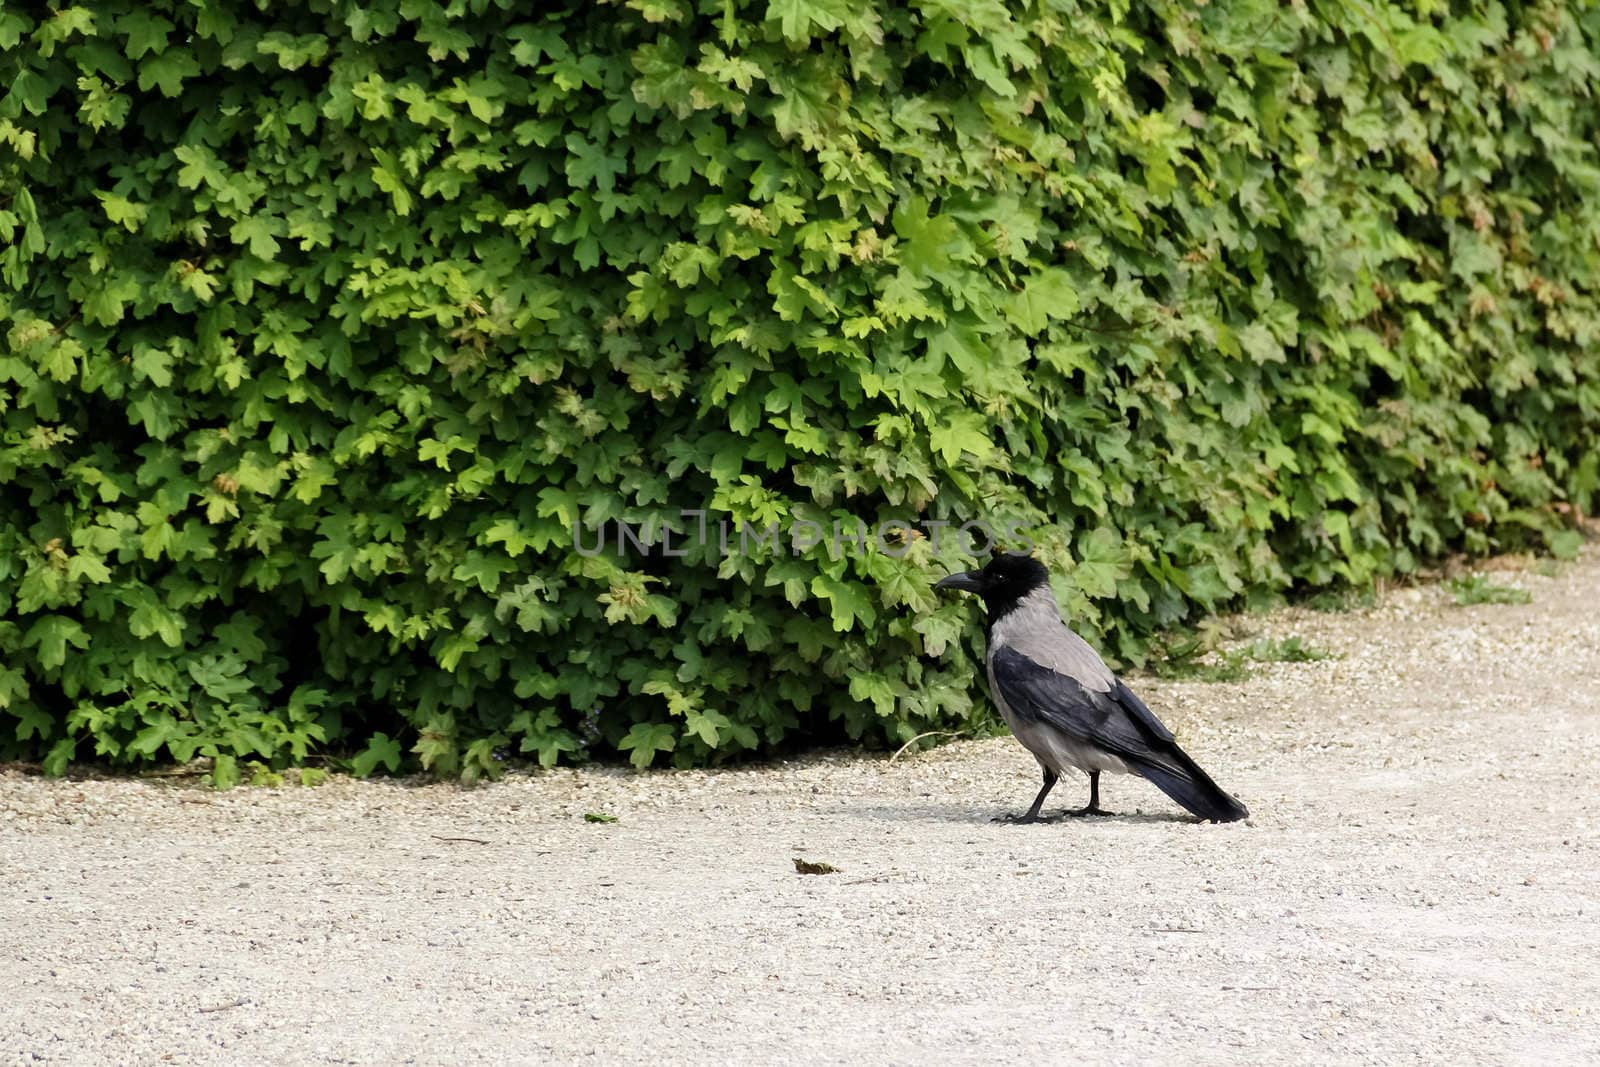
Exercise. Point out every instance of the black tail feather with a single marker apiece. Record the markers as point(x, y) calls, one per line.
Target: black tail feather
point(1181, 778)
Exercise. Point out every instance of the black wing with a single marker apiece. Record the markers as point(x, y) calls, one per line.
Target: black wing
point(1116, 720)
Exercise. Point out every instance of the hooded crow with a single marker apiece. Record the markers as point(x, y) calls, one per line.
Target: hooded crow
point(1065, 705)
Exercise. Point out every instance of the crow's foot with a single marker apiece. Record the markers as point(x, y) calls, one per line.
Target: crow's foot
point(1021, 820)
point(1078, 813)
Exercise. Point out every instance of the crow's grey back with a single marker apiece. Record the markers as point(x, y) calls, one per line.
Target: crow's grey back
point(1034, 628)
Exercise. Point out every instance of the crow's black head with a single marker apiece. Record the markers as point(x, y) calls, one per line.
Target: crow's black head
point(1008, 578)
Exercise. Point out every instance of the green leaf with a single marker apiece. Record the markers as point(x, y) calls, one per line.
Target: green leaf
point(962, 434)
point(32, 722)
point(481, 759)
point(797, 17)
point(543, 734)
point(1102, 562)
point(589, 164)
point(876, 689)
point(1048, 296)
point(51, 635)
point(1565, 544)
point(259, 233)
point(708, 725)
point(224, 771)
point(12, 27)
point(14, 686)
point(122, 211)
point(146, 33)
point(848, 602)
point(168, 71)
point(55, 762)
point(153, 364)
point(1259, 344)
point(200, 167)
point(381, 749)
point(645, 739)
point(164, 732)
point(531, 43)
point(150, 618)
point(484, 570)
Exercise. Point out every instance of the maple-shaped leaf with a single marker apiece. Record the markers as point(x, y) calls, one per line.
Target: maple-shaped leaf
point(380, 749)
point(590, 164)
point(259, 233)
point(1102, 561)
point(848, 602)
point(797, 17)
point(962, 434)
point(645, 739)
point(168, 71)
point(1048, 295)
point(145, 33)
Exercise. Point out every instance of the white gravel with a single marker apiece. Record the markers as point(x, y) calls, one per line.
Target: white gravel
point(1420, 881)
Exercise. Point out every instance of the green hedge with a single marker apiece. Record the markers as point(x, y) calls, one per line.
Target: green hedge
point(328, 322)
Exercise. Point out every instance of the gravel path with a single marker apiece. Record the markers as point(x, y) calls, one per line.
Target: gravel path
point(1420, 880)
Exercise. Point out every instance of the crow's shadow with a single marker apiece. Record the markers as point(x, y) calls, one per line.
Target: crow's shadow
point(988, 817)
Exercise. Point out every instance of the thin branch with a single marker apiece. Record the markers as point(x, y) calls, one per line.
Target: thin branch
point(239, 1003)
point(919, 737)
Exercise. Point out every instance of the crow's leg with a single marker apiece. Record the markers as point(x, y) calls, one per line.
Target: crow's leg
point(1038, 802)
point(1094, 799)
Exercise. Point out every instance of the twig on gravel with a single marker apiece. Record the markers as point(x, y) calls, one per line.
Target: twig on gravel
point(469, 840)
point(238, 1003)
point(919, 737)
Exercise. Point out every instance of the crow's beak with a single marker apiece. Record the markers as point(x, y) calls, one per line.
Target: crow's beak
point(966, 581)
